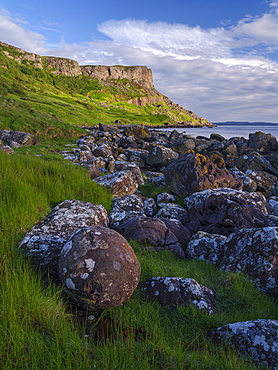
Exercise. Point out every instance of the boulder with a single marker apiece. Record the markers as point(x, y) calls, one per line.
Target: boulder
point(263, 142)
point(160, 156)
point(153, 234)
point(257, 339)
point(182, 233)
point(255, 253)
point(7, 149)
point(248, 183)
point(172, 211)
point(127, 207)
point(195, 172)
point(225, 211)
point(138, 131)
point(176, 291)
point(120, 183)
point(21, 138)
point(98, 268)
point(206, 247)
point(46, 239)
point(165, 198)
point(264, 180)
point(122, 165)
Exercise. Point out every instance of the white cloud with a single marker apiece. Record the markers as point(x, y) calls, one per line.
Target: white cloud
point(12, 31)
point(222, 73)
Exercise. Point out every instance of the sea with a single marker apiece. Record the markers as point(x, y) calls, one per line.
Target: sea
point(230, 129)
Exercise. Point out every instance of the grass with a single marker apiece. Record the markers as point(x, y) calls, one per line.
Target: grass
point(38, 325)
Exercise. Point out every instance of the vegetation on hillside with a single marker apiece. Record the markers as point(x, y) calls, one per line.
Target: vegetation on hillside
point(52, 106)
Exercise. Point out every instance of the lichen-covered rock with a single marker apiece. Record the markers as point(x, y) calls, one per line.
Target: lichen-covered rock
point(103, 151)
point(165, 198)
point(121, 166)
point(248, 184)
point(98, 268)
point(120, 183)
point(172, 211)
point(125, 208)
point(224, 211)
point(257, 339)
point(263, 142)
point(21, 138)
point(177, 291)
point(183, 145)
point(207, 247)
point(47, 238)
point(7, 149)
point(160, 156)
point(138, 131)
point(254, 252)
point(195, 172)
point(264, 180)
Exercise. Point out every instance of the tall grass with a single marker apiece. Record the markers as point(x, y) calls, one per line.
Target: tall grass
point(35, 329)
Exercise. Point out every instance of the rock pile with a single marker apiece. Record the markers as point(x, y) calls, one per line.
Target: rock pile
point(229, 218)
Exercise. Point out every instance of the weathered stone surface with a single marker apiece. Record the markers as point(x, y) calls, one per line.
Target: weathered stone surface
point(248, 183)
point(181, 232)
point(254, 252)
point(46, 239)
point(195, 172)
point(138, 131)
point(120, 183)
point(256, 338)
point(165, 198)
point(172, 211)
point(263, 142)
point(224, 211)
point(7, 149)
point(21, 138)
point(256, 162)
point(98, 268)
point(149, 231)
point(160, 155)
point(207, 247)
point(121, 166)
point(264, 180)
point(177, 291)
point(125, 208)
point(103, 151)
point(183, 145)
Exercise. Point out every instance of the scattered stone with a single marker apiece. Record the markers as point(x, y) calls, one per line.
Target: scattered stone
point(206, 247)
point(18, 137)
point(98, 268)
point(176, 291)
point(120, 183)
point(257, 339)
point(255, 253)
point(225, 211)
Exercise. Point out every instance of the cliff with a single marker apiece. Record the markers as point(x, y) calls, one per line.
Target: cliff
point(134, 83)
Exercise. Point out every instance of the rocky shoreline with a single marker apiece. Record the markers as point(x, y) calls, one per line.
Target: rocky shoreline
point(228, 217)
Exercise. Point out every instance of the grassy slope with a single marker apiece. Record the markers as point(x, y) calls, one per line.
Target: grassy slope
point(37, 101)
point(36, 327)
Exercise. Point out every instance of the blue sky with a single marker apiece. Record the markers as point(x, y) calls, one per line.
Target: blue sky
point(217, 58)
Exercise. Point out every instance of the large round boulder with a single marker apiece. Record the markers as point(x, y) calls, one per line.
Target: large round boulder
point(98, 268)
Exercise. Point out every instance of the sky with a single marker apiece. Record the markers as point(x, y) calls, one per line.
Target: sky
point(218, 58)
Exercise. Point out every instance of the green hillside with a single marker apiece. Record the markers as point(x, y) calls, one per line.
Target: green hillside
point(51, 106)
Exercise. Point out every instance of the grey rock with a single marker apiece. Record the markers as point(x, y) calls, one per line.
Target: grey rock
point(177, 291)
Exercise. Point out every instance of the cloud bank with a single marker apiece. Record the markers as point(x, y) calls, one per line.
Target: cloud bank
point(224, 73)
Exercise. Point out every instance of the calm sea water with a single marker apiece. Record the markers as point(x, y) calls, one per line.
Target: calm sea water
point(230, 130)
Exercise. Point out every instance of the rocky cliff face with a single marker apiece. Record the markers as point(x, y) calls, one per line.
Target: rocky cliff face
point(140, 75)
